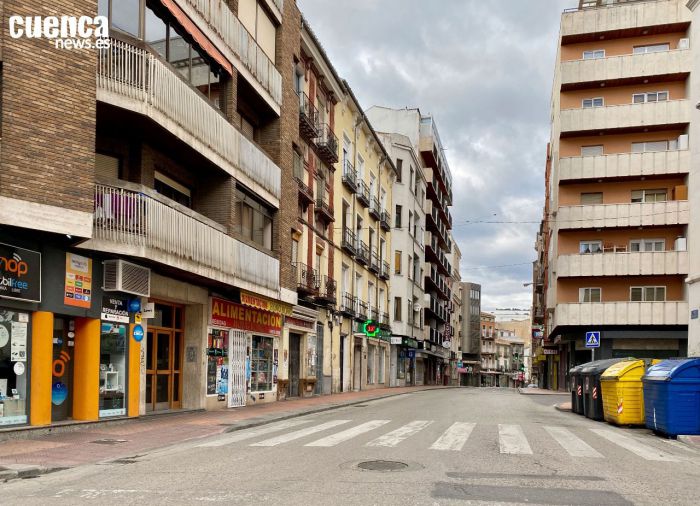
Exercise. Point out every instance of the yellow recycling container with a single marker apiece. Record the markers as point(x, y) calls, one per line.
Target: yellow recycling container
point(623, 395)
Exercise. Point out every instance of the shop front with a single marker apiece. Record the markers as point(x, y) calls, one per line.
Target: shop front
point(402, 354)
point(301, 364)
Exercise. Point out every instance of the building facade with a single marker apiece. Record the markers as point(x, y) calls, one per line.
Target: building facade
point(432, 356)
point(617, 225)
point(458, 366)
point(472, 334)
point(487, 350)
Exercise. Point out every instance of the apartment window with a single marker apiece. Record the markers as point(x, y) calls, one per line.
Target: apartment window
point(648, 293)
point(397, 216)
point(409, 264)
point(593, 102)
point(399, 169)
point(410, 222)
point(591, 247)
point(589, 294)
point(591, 198)
point(651, 48)
point(592, 150)
point(298, 76)
point(592, 55)
point(410, 180)
point(345, 279)
point(106, 166)
point(648, 245)
point(397, 309)
point(397, 262)
point(652, 96)
point(295, 250)
point(649, 195)
point(254, 220)
point(172, 189)
point(643, 147)
point(381, 366)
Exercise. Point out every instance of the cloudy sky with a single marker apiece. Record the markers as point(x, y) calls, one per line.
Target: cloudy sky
point(484, 69)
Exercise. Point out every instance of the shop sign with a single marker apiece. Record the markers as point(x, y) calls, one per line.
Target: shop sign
point(273, 306)
point(236, 316)
point(20, 273)
point(149, 311)
point(396, 340)
point(138, 333)
point(78, 287)
point(411, 354)
point(410, 343)
point(297, 322)
point(551, 351)
point(447, 344)
point(114, 310)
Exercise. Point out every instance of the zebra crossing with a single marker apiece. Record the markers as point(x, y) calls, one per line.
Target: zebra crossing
point(512, 439)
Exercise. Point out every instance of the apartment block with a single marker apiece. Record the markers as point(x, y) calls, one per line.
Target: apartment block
point(433, 355)
point(472, 334)
point(613, 246)
point(487, 350)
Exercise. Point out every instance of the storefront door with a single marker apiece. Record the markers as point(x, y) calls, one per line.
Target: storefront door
point(62, 382)
point(319, 359)
point(294, 364)
point(342, 363)
point(163, 379)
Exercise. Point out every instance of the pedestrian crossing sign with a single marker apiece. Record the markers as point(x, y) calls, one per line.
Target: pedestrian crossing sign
point(593, 339)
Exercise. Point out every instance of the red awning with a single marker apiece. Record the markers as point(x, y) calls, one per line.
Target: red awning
point(197, 35)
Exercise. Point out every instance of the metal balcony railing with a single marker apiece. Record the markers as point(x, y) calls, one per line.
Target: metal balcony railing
point(374, 262)
point(362, 255)
point(374, 210)
point(385, 273)
point(363, 193)
point(349, 176)
point(349, 242)
point(308, 280)
point(327, 144)
point(327, 291)
point(308, 118)
point(385, 220)
point(348, 304)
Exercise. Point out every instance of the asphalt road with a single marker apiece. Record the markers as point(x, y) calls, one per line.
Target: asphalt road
point(456, 446)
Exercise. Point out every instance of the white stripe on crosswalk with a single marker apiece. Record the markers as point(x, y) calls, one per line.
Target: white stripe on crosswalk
point(454, 437)
point(630, 444)
point(512, 440)
point(251, 433)
point(285, 438)
point(348, 434)
point(394, 437)
point(575, 446)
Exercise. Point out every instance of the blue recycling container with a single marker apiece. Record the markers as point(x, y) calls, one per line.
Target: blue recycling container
point(672, 397)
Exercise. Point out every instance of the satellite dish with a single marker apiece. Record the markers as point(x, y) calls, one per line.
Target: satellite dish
point(416, 307)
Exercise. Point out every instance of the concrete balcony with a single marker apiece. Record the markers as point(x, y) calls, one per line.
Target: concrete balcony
point(652, 263)
point(628, 116)
point(627, 16)
point(622, 313)
point(131, 78)
point(620, 165)
point(648, 214)
point(625, 67)
point(136, 221)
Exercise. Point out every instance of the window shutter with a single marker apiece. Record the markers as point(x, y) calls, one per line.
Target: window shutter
point(106, 167)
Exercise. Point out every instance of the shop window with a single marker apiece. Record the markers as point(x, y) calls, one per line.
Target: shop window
point(14, 367)
point(401, 364)
point(113, 339)
point(261, 364)
point(254, 220)
point(380, 368)
point(217, 362)
point(371, 357)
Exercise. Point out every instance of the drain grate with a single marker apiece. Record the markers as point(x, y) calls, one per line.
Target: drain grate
point(382, 465)
point(108, 441)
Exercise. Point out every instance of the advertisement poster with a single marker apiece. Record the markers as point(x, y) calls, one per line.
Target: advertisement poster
point(78, 289)
point(20, 273)
point(18, 346)
point(114, 309)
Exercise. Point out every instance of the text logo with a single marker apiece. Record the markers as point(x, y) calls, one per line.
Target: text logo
point(14, 265)
point(66, 32)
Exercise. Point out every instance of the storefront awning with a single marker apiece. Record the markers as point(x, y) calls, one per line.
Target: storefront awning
point(260, 302)
point(197, 35)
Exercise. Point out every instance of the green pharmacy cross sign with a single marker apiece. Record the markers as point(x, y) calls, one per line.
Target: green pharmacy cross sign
point(371, 328)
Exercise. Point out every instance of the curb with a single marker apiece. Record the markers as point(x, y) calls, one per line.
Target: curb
point(560, 407)
point(690, 441)
point(22, 471)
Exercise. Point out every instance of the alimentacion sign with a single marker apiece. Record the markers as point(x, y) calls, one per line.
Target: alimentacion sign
point(237, 316)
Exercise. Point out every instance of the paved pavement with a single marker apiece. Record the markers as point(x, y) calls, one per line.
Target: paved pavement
point(483, 446)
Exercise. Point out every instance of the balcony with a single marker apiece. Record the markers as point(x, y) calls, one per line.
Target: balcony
point(437, 226)
point(648, 214)
point(324, 208)
point(385, 273)
point(308, 280)
point(385, 221)
point(625, 68)
point(374, 314)
point(306, 194)
point(363, 193)
point(622, 313)
point(374, 210)
point(435, 336)
point(384, 321)
point(594, 18)
point(132, 78)
point(349, 176)
point(668, 113)
point(348, 305)
point(374, 263)
point(349, 242)
point(435, 255)
point(651, 263)
point(437, 309)
point(362, 253)
point(133, 220)
point(327, 292)
point(308, 118)
point(361, 313)
point(327, 144)
point(624, 165)
point(432, 151)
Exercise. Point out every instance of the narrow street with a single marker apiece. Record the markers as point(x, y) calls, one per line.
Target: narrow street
point(484, 446)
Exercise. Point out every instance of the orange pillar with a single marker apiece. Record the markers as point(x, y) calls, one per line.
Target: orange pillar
point(86, 369)
point(134, 391)
point(41, 365)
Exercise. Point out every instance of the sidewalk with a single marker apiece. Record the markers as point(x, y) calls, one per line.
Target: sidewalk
point(99, 442)
point(540, 391)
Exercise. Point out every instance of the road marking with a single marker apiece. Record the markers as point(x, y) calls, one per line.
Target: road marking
point(575, 446)
point(285, 438)
point(251, 433)
point(454, 437)
point(345, 435)
point(630, 444)
point(394, 437)
point(512, 440)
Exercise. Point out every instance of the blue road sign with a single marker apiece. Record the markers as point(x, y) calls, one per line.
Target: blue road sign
point(593, 339)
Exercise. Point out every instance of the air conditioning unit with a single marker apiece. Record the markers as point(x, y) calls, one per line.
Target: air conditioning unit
point(122, 276)
point(683, 141)
point(684, 44)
